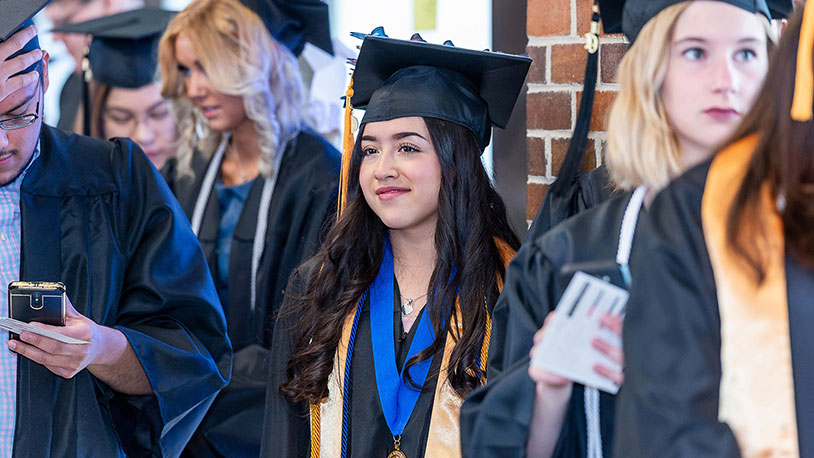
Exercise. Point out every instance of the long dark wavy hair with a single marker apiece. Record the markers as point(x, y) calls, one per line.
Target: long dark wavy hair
point(471, 216)
point(782, 159)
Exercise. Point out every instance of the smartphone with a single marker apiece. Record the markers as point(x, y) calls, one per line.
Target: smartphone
point(41, 301)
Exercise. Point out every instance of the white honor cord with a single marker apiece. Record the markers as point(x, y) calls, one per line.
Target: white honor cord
point(594, 446)
point(206, 186)
point(259, 243)
point(629, 221)
point(626, 233)
point(262, 224)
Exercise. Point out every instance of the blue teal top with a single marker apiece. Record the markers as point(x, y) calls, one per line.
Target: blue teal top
point(231, 199)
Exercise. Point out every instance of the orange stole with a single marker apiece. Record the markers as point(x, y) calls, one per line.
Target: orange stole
point(444, 438)
point(757, 388)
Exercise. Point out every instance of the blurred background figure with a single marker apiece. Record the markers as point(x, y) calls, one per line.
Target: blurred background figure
point(256, 183)
point(65, 12)
point(125, 98)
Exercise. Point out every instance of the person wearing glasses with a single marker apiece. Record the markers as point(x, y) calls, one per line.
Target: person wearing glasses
point(96, 216)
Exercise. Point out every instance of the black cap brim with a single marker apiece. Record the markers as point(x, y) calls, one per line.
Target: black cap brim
point(637, 13)
point(17, 12)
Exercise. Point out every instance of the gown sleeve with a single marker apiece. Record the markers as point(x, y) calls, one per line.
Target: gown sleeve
point(169, 312)
point(495, 418)
point(286, 428)
point(521, 308)
point(668, 406)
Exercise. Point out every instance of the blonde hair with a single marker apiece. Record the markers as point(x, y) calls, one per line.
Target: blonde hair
point(643, 148)
point(240, 58)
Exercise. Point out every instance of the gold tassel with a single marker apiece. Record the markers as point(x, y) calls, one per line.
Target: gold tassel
point(801, 106)
point(347, 152)
point(316, 431)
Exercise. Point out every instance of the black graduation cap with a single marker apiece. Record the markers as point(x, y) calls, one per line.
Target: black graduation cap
point(780, 9)
point(124, 50)
point(475, 89)
point(295, 22)
point(638, 12)
point(16, 15)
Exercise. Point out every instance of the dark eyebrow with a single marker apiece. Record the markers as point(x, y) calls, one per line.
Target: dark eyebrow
point(397, 136)
point(401, 135)
point(21, 104)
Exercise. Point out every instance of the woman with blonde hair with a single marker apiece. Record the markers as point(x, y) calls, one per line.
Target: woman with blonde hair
point(692, 71)
point(257, 187)
point(718, 336)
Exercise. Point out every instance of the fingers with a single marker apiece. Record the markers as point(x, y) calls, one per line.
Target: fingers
point(16, 42)
point(21, 62)
point(612, 323)
point(611, 351)
point(610, 374)
point(63, 365)
point(18, 82)
point(538, 336)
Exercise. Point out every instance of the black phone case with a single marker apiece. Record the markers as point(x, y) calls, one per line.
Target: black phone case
point(31, 303)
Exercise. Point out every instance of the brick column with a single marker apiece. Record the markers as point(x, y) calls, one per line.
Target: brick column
point(556, 31)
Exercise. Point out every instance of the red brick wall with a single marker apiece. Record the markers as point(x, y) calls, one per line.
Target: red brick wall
point(556, 30)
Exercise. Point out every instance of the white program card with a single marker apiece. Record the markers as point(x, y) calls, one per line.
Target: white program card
point(566, 349)
point(16, 326)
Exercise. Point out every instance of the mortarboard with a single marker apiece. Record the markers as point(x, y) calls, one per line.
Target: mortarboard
point(400, 78)
point(17, 15)
point(638, 12)
point(475, 89)
point(294, 22)
point(124, 51)
point(780, 9)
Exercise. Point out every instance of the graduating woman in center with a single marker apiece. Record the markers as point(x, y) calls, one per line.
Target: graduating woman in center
point(385, 329)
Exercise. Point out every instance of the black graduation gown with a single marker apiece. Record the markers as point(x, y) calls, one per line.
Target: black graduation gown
point(590, 189)
point(70, 99)
point(287, 430)
point(97, 216)
point(495, 418)
point(669, 404)
point(302, 207)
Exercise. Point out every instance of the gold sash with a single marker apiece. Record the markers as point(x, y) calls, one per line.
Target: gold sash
point(444, 438)
point(757, 388)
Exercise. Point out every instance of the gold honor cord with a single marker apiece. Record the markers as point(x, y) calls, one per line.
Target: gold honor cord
point(801, 109)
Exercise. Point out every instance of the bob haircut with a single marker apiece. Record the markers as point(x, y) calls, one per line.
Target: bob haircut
point(642, 146)
point(240, 58)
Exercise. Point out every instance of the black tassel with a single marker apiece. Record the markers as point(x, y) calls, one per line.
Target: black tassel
point(572, 164)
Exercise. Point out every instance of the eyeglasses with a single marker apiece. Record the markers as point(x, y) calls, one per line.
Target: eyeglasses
point(18, 122)
point(25, 120)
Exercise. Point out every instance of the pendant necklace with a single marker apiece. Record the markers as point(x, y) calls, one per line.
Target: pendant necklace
point(397, 453)
point(243, 177)
point(407, 307)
